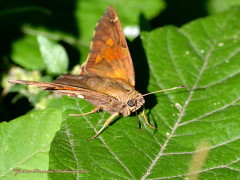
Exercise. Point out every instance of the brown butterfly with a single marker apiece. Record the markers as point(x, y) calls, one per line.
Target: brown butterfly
point(107, 78)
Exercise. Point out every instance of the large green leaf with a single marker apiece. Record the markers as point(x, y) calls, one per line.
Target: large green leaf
point(198, 128)
point(25, 143)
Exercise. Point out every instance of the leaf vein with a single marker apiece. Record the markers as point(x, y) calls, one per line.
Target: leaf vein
point(154, 162)
point(107, 147)
point(210, 113)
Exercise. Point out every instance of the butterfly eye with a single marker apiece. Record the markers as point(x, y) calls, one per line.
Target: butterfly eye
point(131, 103)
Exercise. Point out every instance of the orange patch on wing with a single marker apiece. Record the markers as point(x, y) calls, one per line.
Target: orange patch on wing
point(117, 74)
point(66, 88)
point(109, 54)
point(99, 58)
point(125, 52)
point(109, 42)
point(119, 52)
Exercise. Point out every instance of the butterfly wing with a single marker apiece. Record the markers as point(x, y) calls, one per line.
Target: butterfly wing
point(55, 86)
point(68, 85)
point(109, 54)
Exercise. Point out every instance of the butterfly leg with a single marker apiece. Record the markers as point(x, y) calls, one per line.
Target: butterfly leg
point(105, 125)
point(145, 118)
point(96, 109)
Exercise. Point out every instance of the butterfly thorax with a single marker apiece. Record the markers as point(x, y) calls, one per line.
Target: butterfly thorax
point(123, 98)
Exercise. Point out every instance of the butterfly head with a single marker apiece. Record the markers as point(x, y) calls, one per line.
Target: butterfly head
point(133, 101)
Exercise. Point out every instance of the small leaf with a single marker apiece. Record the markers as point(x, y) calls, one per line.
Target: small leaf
point(25, 143)
point(203, 55)
point(54, 55)
point(26, 53)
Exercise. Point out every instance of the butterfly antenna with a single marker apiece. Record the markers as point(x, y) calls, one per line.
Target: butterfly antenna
point(164, 90)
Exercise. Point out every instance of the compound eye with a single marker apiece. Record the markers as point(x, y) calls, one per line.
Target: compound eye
point(131, 103)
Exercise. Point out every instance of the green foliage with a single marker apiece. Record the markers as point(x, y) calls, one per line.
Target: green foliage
point(26, 53)
point(198, 127)
point(25, 143)
point(216, 6)
point(54, 56)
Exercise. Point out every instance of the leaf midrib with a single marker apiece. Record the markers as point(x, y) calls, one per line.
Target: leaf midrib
point(154, 162)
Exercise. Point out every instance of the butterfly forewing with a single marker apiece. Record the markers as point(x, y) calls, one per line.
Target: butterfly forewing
point(109, 55)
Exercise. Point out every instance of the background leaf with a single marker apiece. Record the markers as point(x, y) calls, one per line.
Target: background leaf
point(26, 53)
point(204, 119)
point(54, 56)
point(25, 143)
